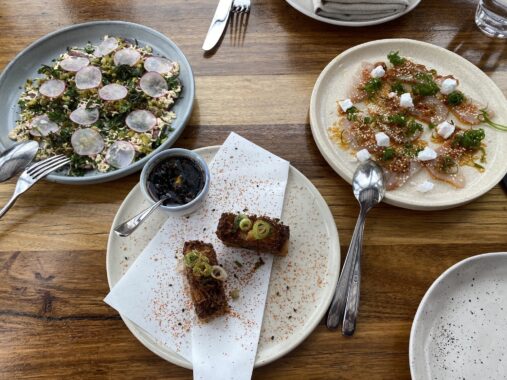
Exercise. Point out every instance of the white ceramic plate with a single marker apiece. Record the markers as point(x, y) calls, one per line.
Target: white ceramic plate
point(306, 7)
point(334, 82)
point(460, 328)
point(314, 245)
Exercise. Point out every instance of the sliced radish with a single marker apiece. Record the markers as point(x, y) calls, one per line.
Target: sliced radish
point(52, 88)
point(42, 126)
point(120, 154)
point(88, 77)
point(87, 142)
point(84, 116)
point(141, 120)
point(107, 46)
point(73, 64)
point(113, 91)
point(153, 84)
point(126, 56)
point(158, 64)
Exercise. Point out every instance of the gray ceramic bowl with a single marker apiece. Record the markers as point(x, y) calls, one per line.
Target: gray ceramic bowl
point(26, 64)
point(187, 208)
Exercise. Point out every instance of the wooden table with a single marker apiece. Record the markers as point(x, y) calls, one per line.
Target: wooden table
point(53, 322)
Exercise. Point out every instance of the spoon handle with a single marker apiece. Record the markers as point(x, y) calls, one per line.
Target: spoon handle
point(352, 307)
point(337, 308)
point(125, 229)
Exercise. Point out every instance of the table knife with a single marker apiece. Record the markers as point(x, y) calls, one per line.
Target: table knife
point(218, 24)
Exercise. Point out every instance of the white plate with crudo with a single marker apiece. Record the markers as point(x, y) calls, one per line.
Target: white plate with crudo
point(297, 298)
point(335, 81)
point(460, 328)
point(306, 7)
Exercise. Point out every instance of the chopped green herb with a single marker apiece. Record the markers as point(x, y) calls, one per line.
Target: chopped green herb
point(455, 98)
point(367, 120)
point(470, 139)
point(395, 59)
point(397, 119)
point(398, 88)
point(388, 154)
point(351, 113)
point(372, 86)
point(89, 48)
point(413, 127)
point(431, 126)
point(425, 85)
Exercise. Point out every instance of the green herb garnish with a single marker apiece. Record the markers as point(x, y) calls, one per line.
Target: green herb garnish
point(413, 127)
point(351, 113)
point(425, 85)
point(372, 86)
point(455, 98)
point(448, 165)
point(397, 119)
point(367, 120)
point(388, 154)
point(484, 117)
point(395, 59)
point(398, 88)
point(431, 126)
point(470, 139)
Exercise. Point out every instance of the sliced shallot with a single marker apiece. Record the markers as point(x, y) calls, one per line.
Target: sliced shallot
point(87, 142)
point(153, 84)
point(141, 120)
point(84, 116)
point(158, 64)
point(88, 77)
point(74, 64)
point(107, 46)
point(127, 56)
point(52, 88)
point(113, 91)
point(120, 154)
point(42, 126)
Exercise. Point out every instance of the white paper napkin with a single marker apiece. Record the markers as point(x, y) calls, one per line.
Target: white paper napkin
point(355, 10)
point(153, 292)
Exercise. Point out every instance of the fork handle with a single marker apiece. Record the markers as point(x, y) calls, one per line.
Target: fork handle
point(8, 205)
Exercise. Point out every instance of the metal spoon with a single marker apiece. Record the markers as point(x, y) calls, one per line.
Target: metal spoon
point(17, 158)
point(126, 228)
point(369, 190)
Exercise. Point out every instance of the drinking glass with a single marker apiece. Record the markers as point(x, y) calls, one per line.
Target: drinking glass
point(491, 17)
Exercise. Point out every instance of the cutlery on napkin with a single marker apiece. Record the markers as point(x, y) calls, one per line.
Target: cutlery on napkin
point(354, 10)
point(152, 292)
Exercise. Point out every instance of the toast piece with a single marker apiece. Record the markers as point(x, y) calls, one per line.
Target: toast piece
point(235, 231)
point(207, 292)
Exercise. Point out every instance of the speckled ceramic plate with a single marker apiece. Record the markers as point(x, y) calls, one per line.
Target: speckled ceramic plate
point(314, 245)
point(334, 82)
point(306, 7)
point(460, 328)
point(42, 51)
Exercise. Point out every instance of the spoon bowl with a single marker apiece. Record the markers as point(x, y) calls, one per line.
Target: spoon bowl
point(368, 184)
point(16, 158)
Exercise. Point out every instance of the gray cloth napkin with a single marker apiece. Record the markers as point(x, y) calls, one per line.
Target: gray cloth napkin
point(358, 10)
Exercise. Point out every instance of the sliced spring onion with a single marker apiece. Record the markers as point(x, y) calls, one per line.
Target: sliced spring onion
point(245, 224)
point(218, 273)
point(202, 269)
point(484, 117)
point(191, 258)
point(261, 229)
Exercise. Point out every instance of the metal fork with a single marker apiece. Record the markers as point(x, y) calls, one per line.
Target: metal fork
point(239, 21)
point(33, 174)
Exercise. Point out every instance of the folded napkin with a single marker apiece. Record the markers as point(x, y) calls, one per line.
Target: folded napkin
point(359, 10)
point(153, 292)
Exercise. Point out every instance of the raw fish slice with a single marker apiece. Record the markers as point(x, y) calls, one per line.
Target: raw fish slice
point(158, 64)
point(407, 72)
point(120, 154)
point(107, 46)
point(469, 111)
point(141, 120)
point(394, 177)
point(127, 56)
point(87, 142)
point(42, 126)
point(430, 109)
point(398, 133)
point(455, 179)
point(153, 84)
point(74, 64)
point(357, 94)
point(113, 91)
point(52, 88)
point(88, 77)
point(84, 116)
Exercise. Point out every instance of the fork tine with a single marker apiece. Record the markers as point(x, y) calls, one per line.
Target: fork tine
point(48, 162)
point(40, 163)
point(51, 169)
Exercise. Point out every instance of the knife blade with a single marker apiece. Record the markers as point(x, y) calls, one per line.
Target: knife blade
point(218, 24)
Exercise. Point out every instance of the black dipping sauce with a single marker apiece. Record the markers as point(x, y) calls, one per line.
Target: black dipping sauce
point(179, 179)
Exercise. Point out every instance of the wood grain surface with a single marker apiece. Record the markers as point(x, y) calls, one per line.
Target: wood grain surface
point(53, 322)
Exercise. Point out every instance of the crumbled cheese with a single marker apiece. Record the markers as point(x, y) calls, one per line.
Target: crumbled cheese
point(406, 100)
point(382, 139)
point(378, 72)
point(363, 155)
point(445, 129)
point(427, 154)
point(392, 95)
point(425, 186)
point(346, 104)
point(448, 86)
